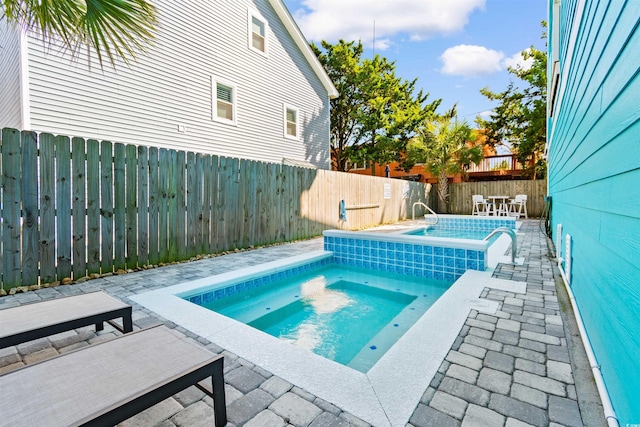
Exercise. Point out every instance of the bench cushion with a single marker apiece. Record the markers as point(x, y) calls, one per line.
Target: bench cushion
point(76, 387)
point(35, 320)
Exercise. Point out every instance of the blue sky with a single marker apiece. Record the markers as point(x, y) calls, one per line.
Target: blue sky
point(453, 47)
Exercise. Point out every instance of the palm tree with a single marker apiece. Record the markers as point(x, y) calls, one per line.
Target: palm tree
point(111, 28)
point(443, 146)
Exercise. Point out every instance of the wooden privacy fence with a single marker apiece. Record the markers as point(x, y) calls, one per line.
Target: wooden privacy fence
point(460, 194)
point(72, 207)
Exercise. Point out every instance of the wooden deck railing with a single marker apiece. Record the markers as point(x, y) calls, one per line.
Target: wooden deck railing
point(507, 162)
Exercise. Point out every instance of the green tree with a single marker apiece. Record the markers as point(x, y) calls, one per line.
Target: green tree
point(446, 147)
point(520, 117)
point(376, 112)
point(111, 28)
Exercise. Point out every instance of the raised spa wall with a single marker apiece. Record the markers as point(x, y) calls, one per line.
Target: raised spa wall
point(431, 257)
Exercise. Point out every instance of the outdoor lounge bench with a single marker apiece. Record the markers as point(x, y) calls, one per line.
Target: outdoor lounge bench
point(40, 319)
point(106, 383)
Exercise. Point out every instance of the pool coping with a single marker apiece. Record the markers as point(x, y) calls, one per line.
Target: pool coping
point(389, 392)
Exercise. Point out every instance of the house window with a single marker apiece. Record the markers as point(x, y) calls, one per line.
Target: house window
point(359, 166)
point(291, 128)
point(257, 32)
point(224, 101)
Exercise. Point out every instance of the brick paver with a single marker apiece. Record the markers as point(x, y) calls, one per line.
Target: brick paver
point(511, 368)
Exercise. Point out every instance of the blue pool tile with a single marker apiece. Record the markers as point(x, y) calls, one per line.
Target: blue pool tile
point(408, 247)
point(460, 253)
point(449, 277)
point(438, 261)
point(481, 266)
point(240, 287)
point(383, 254)
point(359, 243)
point(438, 275)
point(196, 299)
point(398, 246)
point(438, 251)
point(428, 259)
point(374, 253)
point(374, 243)
point(472, 264)
point(417, 258)
point(207, 297)
point(408, 256)
point(428, 250)
point(417, 249)
point(358, 250)
point(366, 243)
point(472, 254)
point(449, 252)
point(448, 262)
point(460, 263)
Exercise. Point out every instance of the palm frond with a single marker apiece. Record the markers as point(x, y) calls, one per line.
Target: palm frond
point(111, 28)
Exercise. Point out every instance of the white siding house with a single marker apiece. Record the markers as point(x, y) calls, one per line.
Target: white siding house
point(233, 78)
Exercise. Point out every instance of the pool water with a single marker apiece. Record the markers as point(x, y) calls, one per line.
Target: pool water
point(345, 314)
point(452, 233)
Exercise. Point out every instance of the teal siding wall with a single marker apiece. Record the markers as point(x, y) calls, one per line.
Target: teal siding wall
point(594, 181)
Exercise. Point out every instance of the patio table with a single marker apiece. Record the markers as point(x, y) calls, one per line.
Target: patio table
point(500, 205)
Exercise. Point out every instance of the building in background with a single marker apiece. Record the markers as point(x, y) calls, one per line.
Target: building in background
point(232, 78)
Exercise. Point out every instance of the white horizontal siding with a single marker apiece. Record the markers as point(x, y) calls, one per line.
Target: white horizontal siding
point(10, 106)
point(171, 86)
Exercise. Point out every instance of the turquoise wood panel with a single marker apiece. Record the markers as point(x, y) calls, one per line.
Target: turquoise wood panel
point(594, 176)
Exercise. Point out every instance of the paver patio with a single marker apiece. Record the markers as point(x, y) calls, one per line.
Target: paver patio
point(522, 366)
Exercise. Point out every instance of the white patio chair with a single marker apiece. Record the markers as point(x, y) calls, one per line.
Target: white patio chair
point(480, 206)
point(518, 206)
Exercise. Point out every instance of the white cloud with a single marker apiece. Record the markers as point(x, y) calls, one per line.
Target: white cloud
point(486, 115)
point(354, 19)
point(471, 61)
point(517, 61)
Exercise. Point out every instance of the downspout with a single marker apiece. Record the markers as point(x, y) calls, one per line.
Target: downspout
point(609, 412)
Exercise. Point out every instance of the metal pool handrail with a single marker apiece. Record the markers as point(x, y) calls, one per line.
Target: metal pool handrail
point(413, 213)
point(514, 240)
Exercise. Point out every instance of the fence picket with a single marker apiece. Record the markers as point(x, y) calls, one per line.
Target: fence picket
point(93, 206)
point(198, 207)
point(47, 209)
point(181, 192)
point(30, 229)
point(163, 205)
point(79, 209)
point(106, 205)
point(143, 206)
point(63, 206)
point(206, 204)
point(214, 238)
point(154, 196)
point(119, 208)
point(11, 206)
point(131, 173)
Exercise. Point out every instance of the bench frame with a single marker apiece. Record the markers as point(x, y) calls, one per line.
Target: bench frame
point(97, 319)
point(136, 404)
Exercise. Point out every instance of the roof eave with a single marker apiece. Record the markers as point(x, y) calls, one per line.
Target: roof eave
point(303, 45)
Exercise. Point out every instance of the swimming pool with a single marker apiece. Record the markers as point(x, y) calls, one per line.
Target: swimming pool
point(345, 314)
point(451, 233)
point(386, 394)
